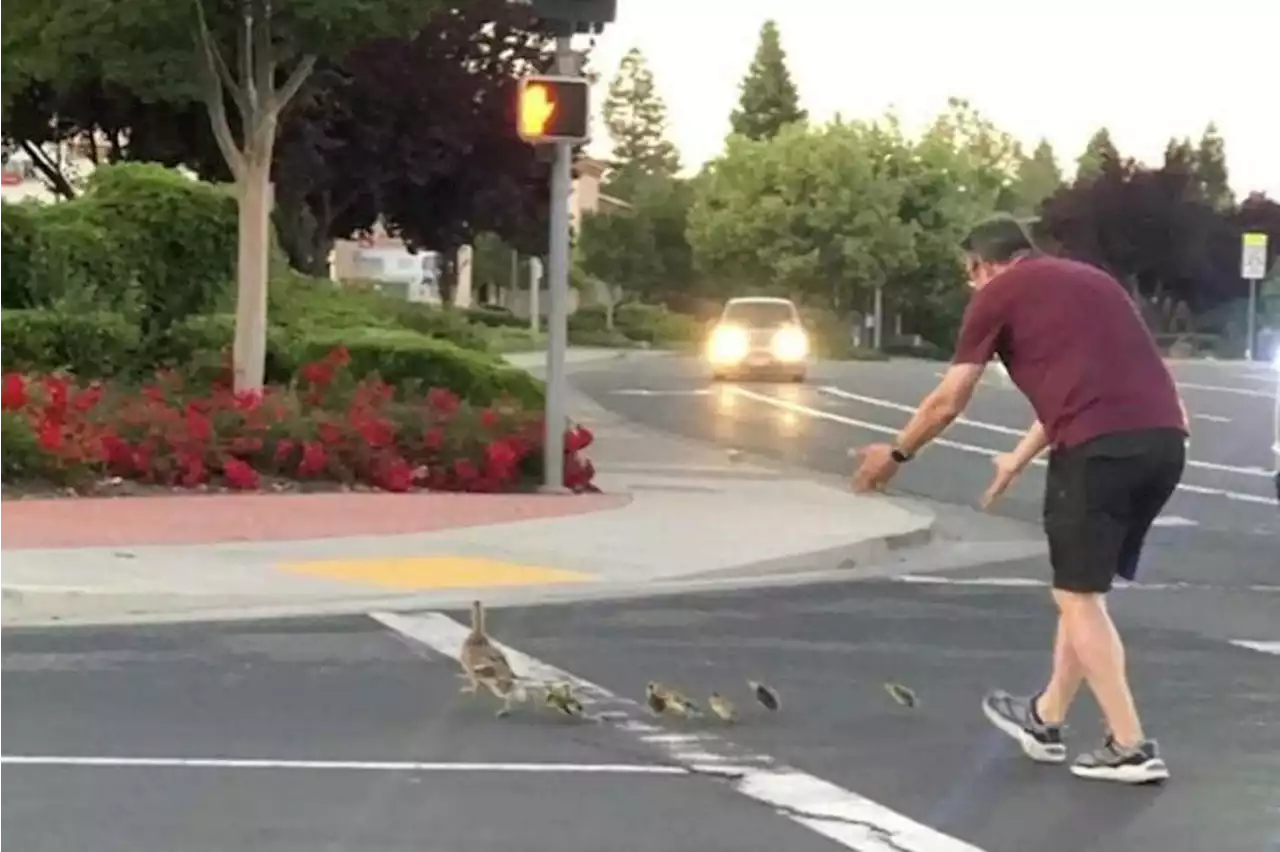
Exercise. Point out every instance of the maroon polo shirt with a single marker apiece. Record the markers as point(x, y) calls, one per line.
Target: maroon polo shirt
point(1074, 343)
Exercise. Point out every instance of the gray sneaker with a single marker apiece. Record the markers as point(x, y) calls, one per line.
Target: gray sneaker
point(1015, 716)
point(1140, 764)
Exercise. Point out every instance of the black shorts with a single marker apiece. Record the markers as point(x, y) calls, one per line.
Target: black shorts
point(1100, 499)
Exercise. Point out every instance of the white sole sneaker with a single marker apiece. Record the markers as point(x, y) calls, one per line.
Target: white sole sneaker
point(1031, 747)
point(1152, 771)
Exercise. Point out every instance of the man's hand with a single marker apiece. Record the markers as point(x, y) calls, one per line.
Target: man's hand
point(1007, 470)
point(875, 467)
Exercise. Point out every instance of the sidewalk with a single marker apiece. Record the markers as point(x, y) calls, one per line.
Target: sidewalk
point(673, 513)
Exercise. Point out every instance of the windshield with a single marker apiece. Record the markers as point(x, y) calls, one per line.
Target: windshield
point(759, 314)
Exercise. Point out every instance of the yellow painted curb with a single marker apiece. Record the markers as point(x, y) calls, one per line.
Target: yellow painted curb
point(435, 572)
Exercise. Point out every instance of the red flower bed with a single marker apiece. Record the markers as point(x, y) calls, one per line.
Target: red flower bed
point(326, 427)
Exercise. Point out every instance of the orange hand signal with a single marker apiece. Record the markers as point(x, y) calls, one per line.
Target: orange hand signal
point(536, 110)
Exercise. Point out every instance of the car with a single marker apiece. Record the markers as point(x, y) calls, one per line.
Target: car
point(758, 337)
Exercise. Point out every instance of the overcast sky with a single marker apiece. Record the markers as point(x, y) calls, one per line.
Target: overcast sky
point(1059, 73)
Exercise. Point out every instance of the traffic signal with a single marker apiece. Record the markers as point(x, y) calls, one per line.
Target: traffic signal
point(552, 109)
point(576, 16)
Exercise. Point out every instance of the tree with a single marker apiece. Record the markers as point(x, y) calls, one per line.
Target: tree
point(1180, 156)
point(984, 160)
point(637, 121)
point(252, 54)
point(1211, 168)
point(1151, 229)
point(1098, 152)
point(418, 132)
point(806, 213)
point(1038, 178)
point(954, 175)
point(769, 99)
point(644, 250)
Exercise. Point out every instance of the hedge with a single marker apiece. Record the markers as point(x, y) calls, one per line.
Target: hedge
point(19, 234)
point(103, 345)
point(94, 344)
point(142, 240)
point(305, 305)
point(406, 358)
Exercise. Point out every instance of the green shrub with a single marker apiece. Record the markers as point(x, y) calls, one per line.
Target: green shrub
point(22, 459)
point(506, 339)
point(602, 337)
point(590, 318)
point(200, 346)
point(443, 323)
point(177, 234)
point(494, 317)
point(303, 305)
point(20, 233)
point(79, 262)
point(412, 361)
point(93, 344)
point(655, 324)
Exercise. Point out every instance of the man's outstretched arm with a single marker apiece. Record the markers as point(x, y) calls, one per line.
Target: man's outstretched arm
point(941, 407)
point(1032, 444)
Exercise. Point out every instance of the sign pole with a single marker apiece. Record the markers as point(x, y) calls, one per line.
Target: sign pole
point(557, 410)
point(1253, 268)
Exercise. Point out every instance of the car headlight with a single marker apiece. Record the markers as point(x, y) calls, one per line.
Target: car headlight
point(728, 345)
point(790, 344)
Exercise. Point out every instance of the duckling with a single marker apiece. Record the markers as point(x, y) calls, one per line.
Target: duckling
point(670, 701)
point(560, 697)
point(722, 707)
point(484, 665)
point(901, 694)
point(655, 698)
point(766, 695)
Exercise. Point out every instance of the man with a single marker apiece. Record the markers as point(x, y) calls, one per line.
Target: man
point(1109, 412)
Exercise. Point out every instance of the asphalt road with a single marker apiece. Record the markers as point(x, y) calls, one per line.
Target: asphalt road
point(340, 734)
point(1222, 528)
point(346, 734)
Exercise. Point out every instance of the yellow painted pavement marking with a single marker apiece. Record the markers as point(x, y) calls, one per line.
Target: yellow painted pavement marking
point(436, 572)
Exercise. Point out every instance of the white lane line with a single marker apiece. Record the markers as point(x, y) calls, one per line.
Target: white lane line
point(850, 820)
point(1255, 645)
point(1211, 418)
point(968, 448)
point(1174, 521)
point(360, 765)
point(1223, 389)
point(1009, 430)
point(649, 392)
point(1031, 583)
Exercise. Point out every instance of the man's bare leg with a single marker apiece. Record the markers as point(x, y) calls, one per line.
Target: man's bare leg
point(1055, 701)
point(1035, 722)
point(1100, 653)
point(1126, 755)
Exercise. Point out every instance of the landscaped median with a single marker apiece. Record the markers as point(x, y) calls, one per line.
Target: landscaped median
point(332, 425)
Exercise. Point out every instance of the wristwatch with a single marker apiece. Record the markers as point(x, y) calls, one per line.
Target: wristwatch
point(900, 457)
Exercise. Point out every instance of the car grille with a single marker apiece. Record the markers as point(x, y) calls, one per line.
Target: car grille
point(762, 338)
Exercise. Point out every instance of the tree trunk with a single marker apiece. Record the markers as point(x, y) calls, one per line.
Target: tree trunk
point(250, 351)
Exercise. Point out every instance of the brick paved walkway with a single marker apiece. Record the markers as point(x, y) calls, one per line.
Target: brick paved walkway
point(207, 519)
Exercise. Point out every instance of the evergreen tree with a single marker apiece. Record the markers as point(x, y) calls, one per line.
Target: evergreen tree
point(769, 99)
point(1099, 151)
point(637, 121)
point(1038, 177)
point(1210, 165)
point(1179, 156)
